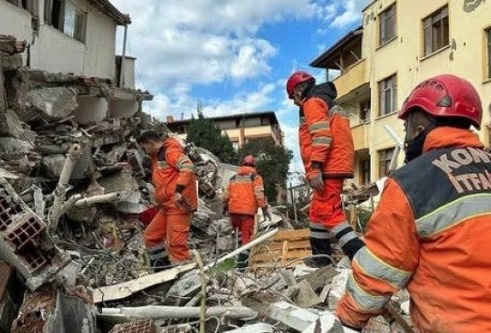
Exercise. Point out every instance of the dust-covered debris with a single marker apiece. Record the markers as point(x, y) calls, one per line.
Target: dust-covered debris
point(73, 186)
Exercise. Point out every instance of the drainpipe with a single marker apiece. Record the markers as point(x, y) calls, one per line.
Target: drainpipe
point(123, 56)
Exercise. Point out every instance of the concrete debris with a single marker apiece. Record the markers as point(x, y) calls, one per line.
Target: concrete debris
point(73, 182)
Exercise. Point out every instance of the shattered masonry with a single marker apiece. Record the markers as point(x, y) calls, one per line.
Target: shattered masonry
point(72, 183)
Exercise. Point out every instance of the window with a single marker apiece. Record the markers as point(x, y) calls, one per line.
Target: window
point(365, 111)
point(66, 17)
point(384, 158)
point(365, 171)
point(387, 95)
point(435, 31)
point(488, 40)
point(28, 5)
point(387, 24)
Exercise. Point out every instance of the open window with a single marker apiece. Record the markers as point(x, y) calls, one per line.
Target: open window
point(66, 17)
point(365, 111)
point(387, 89)
point(29, 5)
point(387, 24)
point(436, 31)
point(384, 158)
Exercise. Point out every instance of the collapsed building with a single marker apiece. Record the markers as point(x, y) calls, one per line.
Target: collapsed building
point(72, 183)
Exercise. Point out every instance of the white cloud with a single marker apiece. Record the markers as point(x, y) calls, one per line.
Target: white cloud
point(183, 43)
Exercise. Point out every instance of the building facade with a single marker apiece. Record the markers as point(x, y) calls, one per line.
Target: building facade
point(399, 44)
point(65, 36)
point(240, 128)
point(74, 40)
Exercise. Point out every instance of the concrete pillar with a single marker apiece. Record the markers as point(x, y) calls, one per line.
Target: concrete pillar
point(122, 108)
point(90, 110)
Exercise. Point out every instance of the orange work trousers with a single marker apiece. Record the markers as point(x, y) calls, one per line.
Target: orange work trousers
point(170, 231)
point(245, 226)
point(326, 207)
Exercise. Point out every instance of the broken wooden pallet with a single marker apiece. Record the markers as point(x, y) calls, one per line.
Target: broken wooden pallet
point(285, 249)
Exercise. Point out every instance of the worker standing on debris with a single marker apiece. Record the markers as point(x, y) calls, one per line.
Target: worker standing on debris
point(326, 147)
point(242, 197)
point(175, 191)
point(431, 229)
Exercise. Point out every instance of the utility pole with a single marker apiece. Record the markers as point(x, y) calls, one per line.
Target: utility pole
point(293, 203)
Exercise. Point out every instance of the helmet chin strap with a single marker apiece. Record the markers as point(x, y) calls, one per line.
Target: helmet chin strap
point(414, 147)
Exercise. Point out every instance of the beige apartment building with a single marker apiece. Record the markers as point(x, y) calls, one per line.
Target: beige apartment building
point(399, 44)
point(240, 128)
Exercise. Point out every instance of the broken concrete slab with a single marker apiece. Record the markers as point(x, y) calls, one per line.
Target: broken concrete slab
point(10, 125)
point(255, 328)
point(12, 149)
point(52, 165)
point(54, 103)
point(304, 296)
point(327, 323)
point(123, 290)
point(291, 315)
point(90, 109)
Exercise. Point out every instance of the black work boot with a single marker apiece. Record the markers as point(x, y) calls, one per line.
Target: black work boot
point(320, 246)
point(242, 261)
point(159, 264)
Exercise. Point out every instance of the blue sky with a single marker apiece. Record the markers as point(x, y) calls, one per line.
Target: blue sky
point(233, 55)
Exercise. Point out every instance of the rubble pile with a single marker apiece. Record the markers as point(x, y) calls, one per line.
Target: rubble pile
point(73, 182)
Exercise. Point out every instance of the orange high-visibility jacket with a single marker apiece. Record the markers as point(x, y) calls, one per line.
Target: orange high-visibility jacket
point(172, 171)
point(431, 233)
point(325, 134)
point(245, 192)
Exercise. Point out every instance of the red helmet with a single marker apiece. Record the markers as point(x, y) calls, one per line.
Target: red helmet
point(249, 160)
point(296, 78)
point(445, 96)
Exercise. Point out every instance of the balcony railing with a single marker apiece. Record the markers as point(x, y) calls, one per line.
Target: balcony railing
point(352, 78)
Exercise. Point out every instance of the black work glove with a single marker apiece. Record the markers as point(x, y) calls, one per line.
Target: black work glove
point(266, 214)
point(225, 210)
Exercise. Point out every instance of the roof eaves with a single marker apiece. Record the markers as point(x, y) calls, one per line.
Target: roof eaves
point(113, 12)
point(334, 48)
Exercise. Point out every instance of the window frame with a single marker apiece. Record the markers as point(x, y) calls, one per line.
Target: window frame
point(365, 170)
point(382, 91)
point(365, 114)
point(384, 158)
point(387, 24)
point(76, 29)
point(437, 39)
point(30, 5)
point(487, 36)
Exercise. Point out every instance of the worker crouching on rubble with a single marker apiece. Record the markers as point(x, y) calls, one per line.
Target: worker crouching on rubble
point(242, 197)
point(175, 191)
point(326, 147)
point(431, 229)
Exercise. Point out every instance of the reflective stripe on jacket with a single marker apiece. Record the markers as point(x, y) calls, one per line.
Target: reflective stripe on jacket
point(172, 167)
point(245, 192)
point(325, 136)
point(430, 233)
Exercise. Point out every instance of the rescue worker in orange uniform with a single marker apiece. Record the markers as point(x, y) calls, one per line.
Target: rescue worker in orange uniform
point(431, 230)
point(242, 197)
point(166, 237)
point(326, 147)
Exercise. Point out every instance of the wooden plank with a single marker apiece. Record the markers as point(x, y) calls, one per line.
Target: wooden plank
point(125, 289)
point(296, 244)
point(285, 249)
point(291, 235)
point(293, 254)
